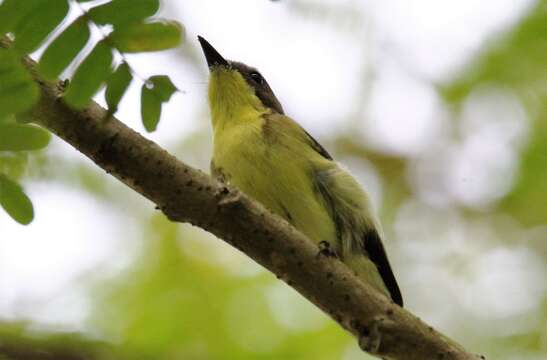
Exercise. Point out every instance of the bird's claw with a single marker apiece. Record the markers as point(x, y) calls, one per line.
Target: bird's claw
point(326, 250)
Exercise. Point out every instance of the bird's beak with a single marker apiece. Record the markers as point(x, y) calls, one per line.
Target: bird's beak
point(211, 55)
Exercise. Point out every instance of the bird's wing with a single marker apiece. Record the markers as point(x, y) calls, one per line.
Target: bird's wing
point(317, 146)
point(356, 227)
point(375, 250)
point(287, 121)
point(337, 190)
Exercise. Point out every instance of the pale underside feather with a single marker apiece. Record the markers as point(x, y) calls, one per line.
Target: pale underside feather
point(272, 159)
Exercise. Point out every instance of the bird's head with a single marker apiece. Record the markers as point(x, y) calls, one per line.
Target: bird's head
point(234, 85)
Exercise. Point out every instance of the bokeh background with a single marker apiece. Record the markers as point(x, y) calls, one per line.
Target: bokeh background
point(437, 107)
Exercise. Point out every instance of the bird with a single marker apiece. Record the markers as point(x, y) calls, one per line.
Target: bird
point(271, 158)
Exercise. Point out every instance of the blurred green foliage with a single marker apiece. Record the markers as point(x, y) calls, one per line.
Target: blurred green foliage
point(182, 299)
point(25, 26)
point(20, 341)
point(178, 306)
point(167, 307)
point(516, 61)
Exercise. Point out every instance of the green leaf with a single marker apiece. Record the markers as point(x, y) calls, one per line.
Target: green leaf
point(147, 36)
point(13, 164)
point(117, 86)
point(62, 51)
point(17, 90)
point(33, 29)
point(150, 109)
point(12, 11)
point(152, 98)
point(163, 87)
point(122, 12)
point(18, 137)
point(89, 77)
point(15, 202)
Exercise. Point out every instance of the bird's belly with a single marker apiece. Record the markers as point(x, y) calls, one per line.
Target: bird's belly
point(282, 183)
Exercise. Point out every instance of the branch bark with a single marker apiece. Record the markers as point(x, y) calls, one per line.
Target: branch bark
point(185, 194)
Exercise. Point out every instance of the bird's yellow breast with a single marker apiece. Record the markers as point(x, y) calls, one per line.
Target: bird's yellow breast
point(268, 168)
point(267, 161)
point(272, 159)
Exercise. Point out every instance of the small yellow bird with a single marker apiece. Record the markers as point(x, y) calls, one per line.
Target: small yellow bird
point(271, 158)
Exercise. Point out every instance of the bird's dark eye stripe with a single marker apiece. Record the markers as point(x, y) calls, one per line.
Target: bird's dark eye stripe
point(256, 77)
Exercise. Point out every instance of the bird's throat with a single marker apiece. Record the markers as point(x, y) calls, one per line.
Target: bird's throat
point(231, 99)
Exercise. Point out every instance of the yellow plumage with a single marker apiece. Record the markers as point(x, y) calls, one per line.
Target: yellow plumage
point(272, 159)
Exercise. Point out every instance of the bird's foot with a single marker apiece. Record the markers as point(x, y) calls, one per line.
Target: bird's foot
point(326, 250)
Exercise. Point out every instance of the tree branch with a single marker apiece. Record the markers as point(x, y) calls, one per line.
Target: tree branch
point(185, 194)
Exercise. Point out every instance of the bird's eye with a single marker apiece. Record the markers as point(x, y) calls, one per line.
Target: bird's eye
point(257, 77)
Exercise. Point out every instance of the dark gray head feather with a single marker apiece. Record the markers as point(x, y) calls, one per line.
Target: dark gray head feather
point(259, 84)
